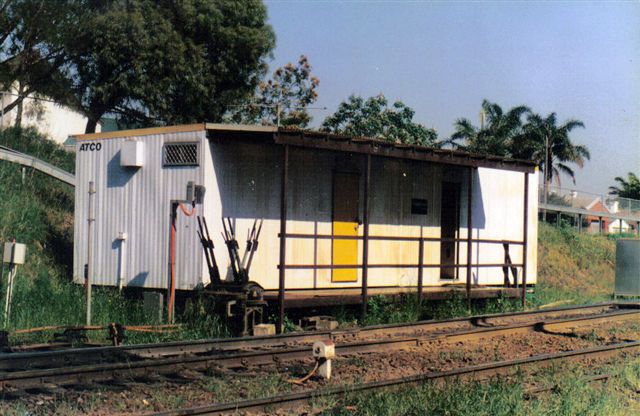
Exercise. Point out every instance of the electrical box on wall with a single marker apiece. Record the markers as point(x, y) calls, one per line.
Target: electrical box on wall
point(132, 154)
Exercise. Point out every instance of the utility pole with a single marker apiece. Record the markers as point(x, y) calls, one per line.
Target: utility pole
point(546, 176)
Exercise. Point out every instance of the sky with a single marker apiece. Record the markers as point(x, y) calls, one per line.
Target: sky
point(578, 59)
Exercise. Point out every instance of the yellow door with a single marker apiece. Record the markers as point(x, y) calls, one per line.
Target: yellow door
point(346, 192)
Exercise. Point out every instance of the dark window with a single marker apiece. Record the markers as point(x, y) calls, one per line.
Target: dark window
point(419, 206)
point(180, 154)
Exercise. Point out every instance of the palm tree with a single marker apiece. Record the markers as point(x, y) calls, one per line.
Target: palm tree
point(627, 188)
point(548, 144)
point(543, 141)
point(493, 138)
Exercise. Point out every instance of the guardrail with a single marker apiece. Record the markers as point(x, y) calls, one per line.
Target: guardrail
point(586, 203)
point(11, 155)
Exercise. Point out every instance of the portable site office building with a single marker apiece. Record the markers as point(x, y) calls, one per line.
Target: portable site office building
point(353, 215)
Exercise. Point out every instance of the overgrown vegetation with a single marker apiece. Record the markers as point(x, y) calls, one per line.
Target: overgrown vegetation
point(38, 211)
point(573, 267)
point(405, 308)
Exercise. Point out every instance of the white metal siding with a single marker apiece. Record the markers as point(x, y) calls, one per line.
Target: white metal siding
point(244, 184)
point(136, 201)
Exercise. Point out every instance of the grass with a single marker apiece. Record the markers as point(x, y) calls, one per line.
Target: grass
point(38, 211)
point(573, 268)
point(571, 394)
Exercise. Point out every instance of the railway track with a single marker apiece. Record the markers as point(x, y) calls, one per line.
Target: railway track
point(476, 372)
point(68, 368)
point(87, 355)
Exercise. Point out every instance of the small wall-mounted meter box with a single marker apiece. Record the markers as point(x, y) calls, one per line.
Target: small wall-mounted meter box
point(14, 253)
point(132, 154)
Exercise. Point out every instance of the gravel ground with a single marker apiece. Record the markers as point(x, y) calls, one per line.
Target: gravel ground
point(194, 389)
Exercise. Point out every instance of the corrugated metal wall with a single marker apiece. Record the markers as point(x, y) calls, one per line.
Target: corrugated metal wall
point(136, 201)
point(242, 179)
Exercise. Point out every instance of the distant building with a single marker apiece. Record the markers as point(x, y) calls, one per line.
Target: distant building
point(595, 205)
point(54, 120)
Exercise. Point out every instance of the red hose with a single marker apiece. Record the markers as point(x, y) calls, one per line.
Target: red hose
point(172, 290)
point(185, 212)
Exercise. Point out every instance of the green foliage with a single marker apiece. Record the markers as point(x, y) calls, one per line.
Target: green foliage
point(146, 61)
point(540, 139)
point(627, 188)
point(572, 395)
point(374, 118)
point(388, 310)
point(199, 320)
point(26, 57)
point(547, 143)
point(39, 213)
point(573, 267)
point(496, 137)
point(283, 99)
point(617, 236)
point(405, 308)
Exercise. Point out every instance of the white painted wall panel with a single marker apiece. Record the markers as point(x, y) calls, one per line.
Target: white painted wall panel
point(248, 187)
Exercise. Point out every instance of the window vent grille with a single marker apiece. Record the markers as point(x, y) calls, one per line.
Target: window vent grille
point(180, 154)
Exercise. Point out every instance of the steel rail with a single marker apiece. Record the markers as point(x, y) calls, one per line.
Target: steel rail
point(144, 368)
point(80, 356)
point(478, 372)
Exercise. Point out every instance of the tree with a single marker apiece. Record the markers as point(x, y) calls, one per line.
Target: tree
point(163, 61)
point(547, 143)
point(627, 188)
point(31, 58)
point(282, 100)
point(373, 118)
point(495, 137)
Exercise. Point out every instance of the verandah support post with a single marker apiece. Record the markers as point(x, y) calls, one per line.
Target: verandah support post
point(469, 234)
point(283, 236)
point(579, 223)
point(600, 226)
point(420, 268)
point(365, 236)
point(525, 237)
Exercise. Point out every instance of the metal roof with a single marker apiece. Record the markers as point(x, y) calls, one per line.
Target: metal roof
point(334, 142)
